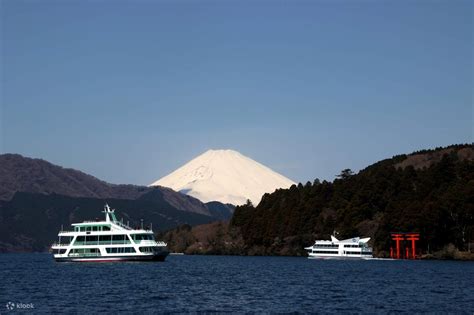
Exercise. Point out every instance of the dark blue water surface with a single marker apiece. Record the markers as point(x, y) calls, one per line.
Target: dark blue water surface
point(235, 284)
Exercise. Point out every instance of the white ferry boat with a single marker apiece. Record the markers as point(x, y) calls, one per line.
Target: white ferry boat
point(352, 248)
point(109, 240)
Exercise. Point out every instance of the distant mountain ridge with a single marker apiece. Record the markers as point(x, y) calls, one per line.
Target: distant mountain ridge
point(23, 174)
point(18, 173)
point(226, 176)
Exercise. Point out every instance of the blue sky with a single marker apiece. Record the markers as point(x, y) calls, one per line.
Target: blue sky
point(130, 90)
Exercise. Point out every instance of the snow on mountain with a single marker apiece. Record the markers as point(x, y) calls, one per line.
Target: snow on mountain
point(226, 176)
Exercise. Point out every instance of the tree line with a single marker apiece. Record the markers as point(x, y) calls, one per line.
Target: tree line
point(389, 196)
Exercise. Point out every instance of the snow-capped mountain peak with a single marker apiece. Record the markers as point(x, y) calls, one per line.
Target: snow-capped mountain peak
point(226, 176)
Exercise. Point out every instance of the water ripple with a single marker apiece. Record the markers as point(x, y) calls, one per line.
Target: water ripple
point(217, 284)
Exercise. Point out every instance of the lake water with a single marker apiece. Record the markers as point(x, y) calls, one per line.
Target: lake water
point(235, 284)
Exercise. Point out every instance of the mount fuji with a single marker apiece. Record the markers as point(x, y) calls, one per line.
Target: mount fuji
point(226, 176)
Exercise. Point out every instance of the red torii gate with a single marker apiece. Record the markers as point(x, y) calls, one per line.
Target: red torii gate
point(413, 237)
point(397, 237)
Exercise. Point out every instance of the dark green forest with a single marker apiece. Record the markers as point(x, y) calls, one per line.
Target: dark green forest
point(430, 192)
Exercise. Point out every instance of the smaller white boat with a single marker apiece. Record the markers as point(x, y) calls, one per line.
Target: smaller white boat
point(352, 248)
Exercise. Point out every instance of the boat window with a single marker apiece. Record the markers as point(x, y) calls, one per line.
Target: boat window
point(105, 238)
point(92, 238)
point(80, 239)
point(85, 251)
point(65, 240)
point(326, 245)
point(143, 237)
point(324, 252)
point(119, 250)
point(94, 228)
point(82, 229)
point(110, 250)
point(106, 228)
point(147, 249)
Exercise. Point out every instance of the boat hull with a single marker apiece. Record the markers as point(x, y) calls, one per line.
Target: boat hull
point(156, 257)
point(341, 257)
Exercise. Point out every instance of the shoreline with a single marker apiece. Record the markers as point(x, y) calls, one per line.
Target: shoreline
point(464, 256)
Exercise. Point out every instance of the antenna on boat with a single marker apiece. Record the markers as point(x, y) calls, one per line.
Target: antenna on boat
point(108, 212)
point(151, 226)
point(142, 223)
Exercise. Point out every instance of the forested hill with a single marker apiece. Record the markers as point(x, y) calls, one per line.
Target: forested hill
point(431, 192)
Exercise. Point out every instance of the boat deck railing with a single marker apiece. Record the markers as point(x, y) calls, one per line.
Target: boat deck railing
point(61, 244)
point(159, 243)
point(84, 255)
point(103, 243)
point(128, 227)
point(125, 226)
point(66, 231)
